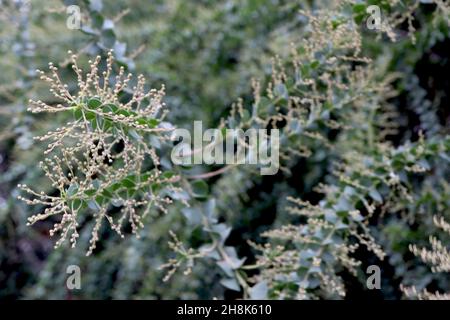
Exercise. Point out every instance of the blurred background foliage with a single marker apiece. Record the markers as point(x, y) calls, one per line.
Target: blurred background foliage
point(206, 53)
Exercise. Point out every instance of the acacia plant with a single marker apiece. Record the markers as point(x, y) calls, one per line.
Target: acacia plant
point(364, 152)
point(103, 160)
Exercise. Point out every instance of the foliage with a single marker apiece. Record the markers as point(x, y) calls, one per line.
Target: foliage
point(364, 149)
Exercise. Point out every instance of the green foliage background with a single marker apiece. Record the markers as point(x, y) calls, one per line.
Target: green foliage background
point(206, 53)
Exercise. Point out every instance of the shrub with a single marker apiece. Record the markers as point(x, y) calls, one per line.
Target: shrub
point(364, 150)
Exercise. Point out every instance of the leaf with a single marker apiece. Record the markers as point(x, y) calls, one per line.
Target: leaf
point(359, 11)
point(107, 194)
point(96, 184)
point(88, 30)
point(110, 107)
point(340, 225)
point(107, 124)
point(120, 49)
point(307, 254)
point(145, 176)
point(90, 115)
point(281, 90)
point(76, 204)
point(92, 204)
point(343, 204)
point(116, 186)
point(233, 260)
point(96, 5)
point(200, 189)
point(108, 24)
point(192, 215)
point(304, 284)
point(156, 187)
point(209, 251)
point(100, 200)
point(259, 291)
point(315, 64)
point(133, 133)
point(263, 106)
point(179, 195)
point(168, 174)
point(222, 230)
point(97, 20)
point(72, 190)
point(359, 8)
point(230, 283)
point(123, 112)
point(225, 266)
point(209, 210)
point(94, 103)
point(424, 163)
point(356, 216)
point(128, 183)
point(152, 123)
point(108, 38)
point(117, 202)
point(245, 116)
point(90, 192)
point(375, 195)
point(78, 113)
point(331, 216)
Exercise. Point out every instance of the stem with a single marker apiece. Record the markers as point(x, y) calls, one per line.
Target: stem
point(319, 254)
point(211, 174)
point(370, 133)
